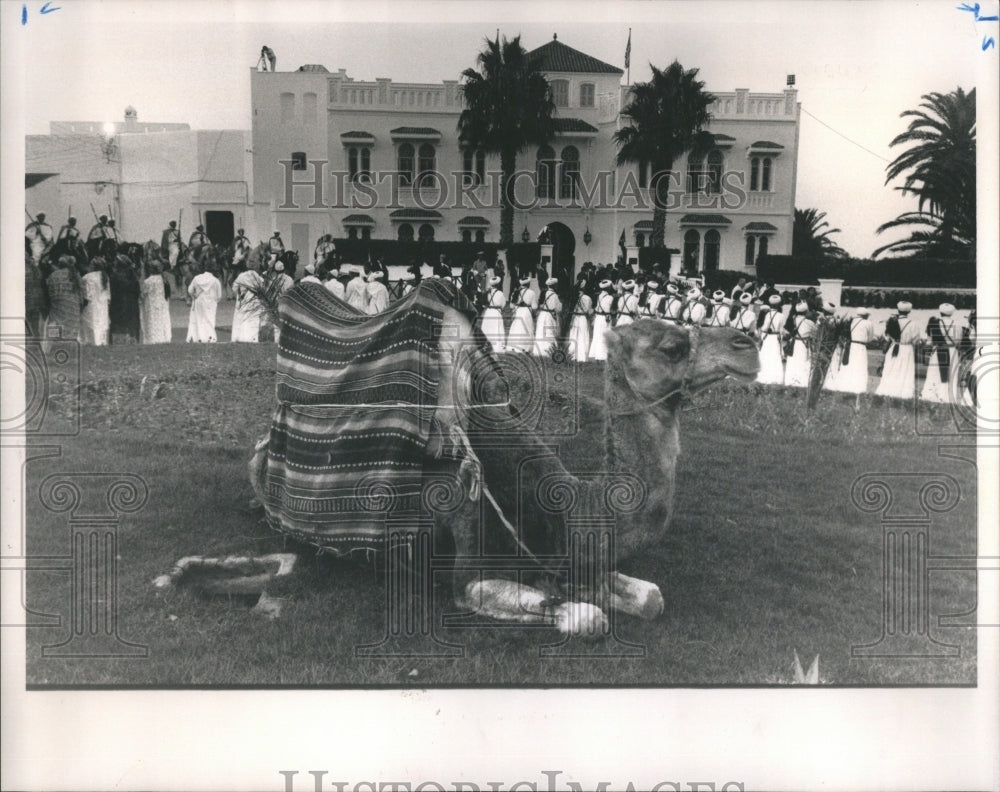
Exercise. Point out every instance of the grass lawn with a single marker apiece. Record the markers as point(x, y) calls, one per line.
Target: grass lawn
point(767, 552)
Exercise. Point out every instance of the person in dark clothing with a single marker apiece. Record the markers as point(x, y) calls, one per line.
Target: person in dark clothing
point(124, 308)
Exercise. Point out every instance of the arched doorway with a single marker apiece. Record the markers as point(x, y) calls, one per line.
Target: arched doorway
point(563, 248)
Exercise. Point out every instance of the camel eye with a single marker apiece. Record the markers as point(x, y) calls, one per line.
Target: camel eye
point(673, 352)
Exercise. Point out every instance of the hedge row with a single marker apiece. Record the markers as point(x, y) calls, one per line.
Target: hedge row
point(869, 272)
point(887, 298)
point(392, 251)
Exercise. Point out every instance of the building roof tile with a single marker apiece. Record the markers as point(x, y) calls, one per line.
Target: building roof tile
point(359, 219)
point(408, 130)
point(766, 144)
point(760, 226)
point(555, 56)
point(705, 219)
point(565, 125)
point(413, 213)
point(474, 220)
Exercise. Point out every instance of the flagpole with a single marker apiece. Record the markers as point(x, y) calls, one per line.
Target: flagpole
point(628, 61)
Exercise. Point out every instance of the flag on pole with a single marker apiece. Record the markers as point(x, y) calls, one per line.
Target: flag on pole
point(628, 49)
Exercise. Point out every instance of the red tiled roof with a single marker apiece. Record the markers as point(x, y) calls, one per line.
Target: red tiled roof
point(705, 219)
point(359, 219)
point(412, 213)
point(572, 125)
point(557, 57)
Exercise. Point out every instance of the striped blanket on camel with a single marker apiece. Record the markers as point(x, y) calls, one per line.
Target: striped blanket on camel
point(356, 396)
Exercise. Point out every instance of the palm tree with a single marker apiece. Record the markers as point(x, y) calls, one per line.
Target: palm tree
point(940, 170)
point(667, 117)
point(508, 106)
point(811, 236)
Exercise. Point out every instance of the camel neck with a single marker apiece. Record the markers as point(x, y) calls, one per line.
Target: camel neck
point(639, 438)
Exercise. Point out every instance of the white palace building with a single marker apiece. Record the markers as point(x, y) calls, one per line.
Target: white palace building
point(372, 144)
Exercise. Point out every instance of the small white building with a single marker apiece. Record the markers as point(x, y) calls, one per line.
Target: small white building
point(141, 174)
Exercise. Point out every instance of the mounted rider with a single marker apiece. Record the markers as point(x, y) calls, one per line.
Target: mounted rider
point(275, 248)
point(324, 249)
point(170, 244)
point(241, 249)
point(99, 230)
point(40, 236)
point(198, 242)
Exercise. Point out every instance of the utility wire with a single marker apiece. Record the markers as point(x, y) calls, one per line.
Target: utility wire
point(863, 148)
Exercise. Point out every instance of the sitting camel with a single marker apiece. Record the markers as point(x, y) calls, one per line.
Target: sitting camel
point(652, 367)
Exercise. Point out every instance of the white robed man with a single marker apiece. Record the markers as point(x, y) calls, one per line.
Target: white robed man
point(333, 284)
point(248, 312)
point(628, 304)
point(852, 374)
point(492, 321)
point(944, 335)
point(674, 305)
point(770, 326)
point(602, 320)
point(521, 335)
point(205, 291)
point(154, 314)
point(378, 294)
point(720, 311)
point(579, 329)
point(801, 328)
point(745, 318)
point(95, 321)
point(547, 327)
point(310, 275)
point(898, 371)
point(40, 237)
point(355, 292)
point(694, 311)
point(654, 300)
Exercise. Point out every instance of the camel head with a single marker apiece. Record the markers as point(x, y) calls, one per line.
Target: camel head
point(656, 359)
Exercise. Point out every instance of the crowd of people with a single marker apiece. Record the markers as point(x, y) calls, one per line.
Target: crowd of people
point(121, 300)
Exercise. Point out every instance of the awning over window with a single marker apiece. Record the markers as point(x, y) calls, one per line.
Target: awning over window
point(415, 133)
point(357, 137)
point(643, 225)
point(724, 141)
point(414, 213)
point(705, 220)
point(573, 126)
point(473, 221)
point(767, 146)
point(359, 220)
point(760, 228)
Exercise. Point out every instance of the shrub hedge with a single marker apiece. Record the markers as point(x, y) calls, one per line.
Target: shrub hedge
point(887, 298)
point(869, 272)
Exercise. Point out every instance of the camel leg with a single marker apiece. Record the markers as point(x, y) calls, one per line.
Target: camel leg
point(509, 601)
point(635, 597)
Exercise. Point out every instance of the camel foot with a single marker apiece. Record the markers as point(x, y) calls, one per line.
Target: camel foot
point(509, 601)
point(636, 597)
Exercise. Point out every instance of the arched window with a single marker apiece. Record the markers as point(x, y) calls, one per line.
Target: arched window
point(765, 181)
point(352, 163)
point(405, 233)
point(466, 235)
point(570, 172)
point(298, 160)
point(560, 92)
point(287, 107)
point(480, 236)
point(749, 260)
point(546, 173)
point(365, 173)
point(473, 167)
point(426, 233)
point(640, 239)
point(587, 95)
point(692, 250)
point(694, 177)
point(712, 243)
point(352, 232)
point(426, 165)
point(404, 164)
point(755, 173)
point(715, 171)
point(762, 247)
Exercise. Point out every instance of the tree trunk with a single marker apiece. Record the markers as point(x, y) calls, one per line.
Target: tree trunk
point(508, 165)
point(661, 198)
